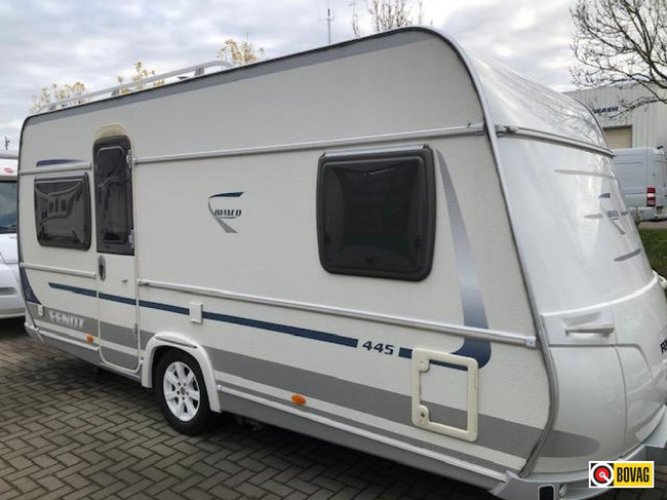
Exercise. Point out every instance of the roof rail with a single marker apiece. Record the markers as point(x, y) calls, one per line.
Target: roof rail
point(6, 154)
point(179, 74)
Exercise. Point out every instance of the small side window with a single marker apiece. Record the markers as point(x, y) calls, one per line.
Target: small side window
point(62, 212)
point(113, 197)
point(376, 214)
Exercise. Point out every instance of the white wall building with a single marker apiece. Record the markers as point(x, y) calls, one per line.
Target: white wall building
point(645, 126)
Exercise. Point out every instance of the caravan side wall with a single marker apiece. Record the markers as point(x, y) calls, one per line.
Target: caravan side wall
point(268, 320)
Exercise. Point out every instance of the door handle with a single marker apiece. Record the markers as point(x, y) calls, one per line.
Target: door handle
point(598, 328)
point(101, 267)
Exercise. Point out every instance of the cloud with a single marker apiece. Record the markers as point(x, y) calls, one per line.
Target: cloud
point(63, 41)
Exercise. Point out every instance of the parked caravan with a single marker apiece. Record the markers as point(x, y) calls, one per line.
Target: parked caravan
point(11, 301)
point(642, 174)
point(386, 243)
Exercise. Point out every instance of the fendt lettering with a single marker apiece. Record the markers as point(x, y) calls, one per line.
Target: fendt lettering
point(64, 319)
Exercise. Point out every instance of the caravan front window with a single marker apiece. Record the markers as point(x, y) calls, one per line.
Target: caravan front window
point(8, 206)
point(62, 212)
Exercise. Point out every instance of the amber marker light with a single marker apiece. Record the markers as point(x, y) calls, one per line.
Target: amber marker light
point(298, 399)
point(90, 339)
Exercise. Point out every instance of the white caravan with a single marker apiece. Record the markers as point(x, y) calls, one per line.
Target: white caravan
point(11, 302)
point(642, 175)
point(385, 243)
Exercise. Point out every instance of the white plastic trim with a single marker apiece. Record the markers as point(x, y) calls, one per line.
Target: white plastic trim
point(179, 341)
point(421, 363)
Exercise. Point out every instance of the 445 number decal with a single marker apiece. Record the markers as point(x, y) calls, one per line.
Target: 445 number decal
point(379, 347)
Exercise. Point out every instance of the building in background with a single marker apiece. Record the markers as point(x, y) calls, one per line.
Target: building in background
point(645, 126)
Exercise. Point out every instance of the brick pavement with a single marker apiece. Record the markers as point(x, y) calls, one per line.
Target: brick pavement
point(69, 433)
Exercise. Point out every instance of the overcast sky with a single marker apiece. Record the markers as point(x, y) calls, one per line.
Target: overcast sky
point(62, 41)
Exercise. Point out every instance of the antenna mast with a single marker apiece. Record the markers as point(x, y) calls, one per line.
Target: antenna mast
point(330, 18)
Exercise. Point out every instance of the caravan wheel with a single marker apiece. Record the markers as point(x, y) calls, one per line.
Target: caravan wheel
point(181, 393)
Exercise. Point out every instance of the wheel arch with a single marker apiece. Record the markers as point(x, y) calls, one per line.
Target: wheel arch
point(161, 343)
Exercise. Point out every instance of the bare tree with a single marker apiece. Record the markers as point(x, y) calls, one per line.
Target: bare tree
point(389, 14)
point(140, 74)
point(621, 42)
point(385, 15)
point(240, 53)
point(57, 92)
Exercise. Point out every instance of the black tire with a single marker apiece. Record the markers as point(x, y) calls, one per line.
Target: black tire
point(178, 379)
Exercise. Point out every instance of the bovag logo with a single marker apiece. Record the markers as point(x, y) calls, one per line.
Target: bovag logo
point(226, 209)
point(619, 474)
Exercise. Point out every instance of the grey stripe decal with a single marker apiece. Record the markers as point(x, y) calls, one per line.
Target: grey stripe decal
point(118, 335)
point(119, 358)
point(65, 319)
point(79, 352)
point(69, 338)
point(627, 256)
point(561, 444)
point(474, 313)
point(85, 324)
point(279, 418)
point(502, 435)
point(375, 430)
point(494, 433)
point(472, 302)
point(88, 326)
point(144, 337)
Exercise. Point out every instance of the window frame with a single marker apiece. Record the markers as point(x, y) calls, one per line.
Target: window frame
point(102, 245)
point(87, 219)
point(427, 198)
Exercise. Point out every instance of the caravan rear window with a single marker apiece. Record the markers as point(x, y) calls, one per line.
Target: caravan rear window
point(62, 212)
point(376, 214)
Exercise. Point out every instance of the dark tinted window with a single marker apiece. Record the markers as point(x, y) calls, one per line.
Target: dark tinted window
point(376, 214)
point(62, 212)
point(113, 197)
point(7, 206)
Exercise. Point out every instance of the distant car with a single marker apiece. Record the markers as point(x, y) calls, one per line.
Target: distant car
point(11, 300)
point(642, 175)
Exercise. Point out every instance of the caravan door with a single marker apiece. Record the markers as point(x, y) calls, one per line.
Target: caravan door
point(116, 266)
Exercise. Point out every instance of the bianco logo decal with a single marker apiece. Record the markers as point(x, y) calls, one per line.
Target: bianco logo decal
point(226, 210)
point(64, 319)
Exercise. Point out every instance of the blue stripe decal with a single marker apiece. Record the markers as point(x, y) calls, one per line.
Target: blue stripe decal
point(289, 330)
point(74, 289)
point(116, 298)
point(57, 161)
point(474, 348)
point(223, 318)
point(404, 352)
point(164, 307)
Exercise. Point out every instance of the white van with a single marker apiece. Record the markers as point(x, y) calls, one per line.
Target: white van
point(642, 174)
point(385, 243)
point(11, 302)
